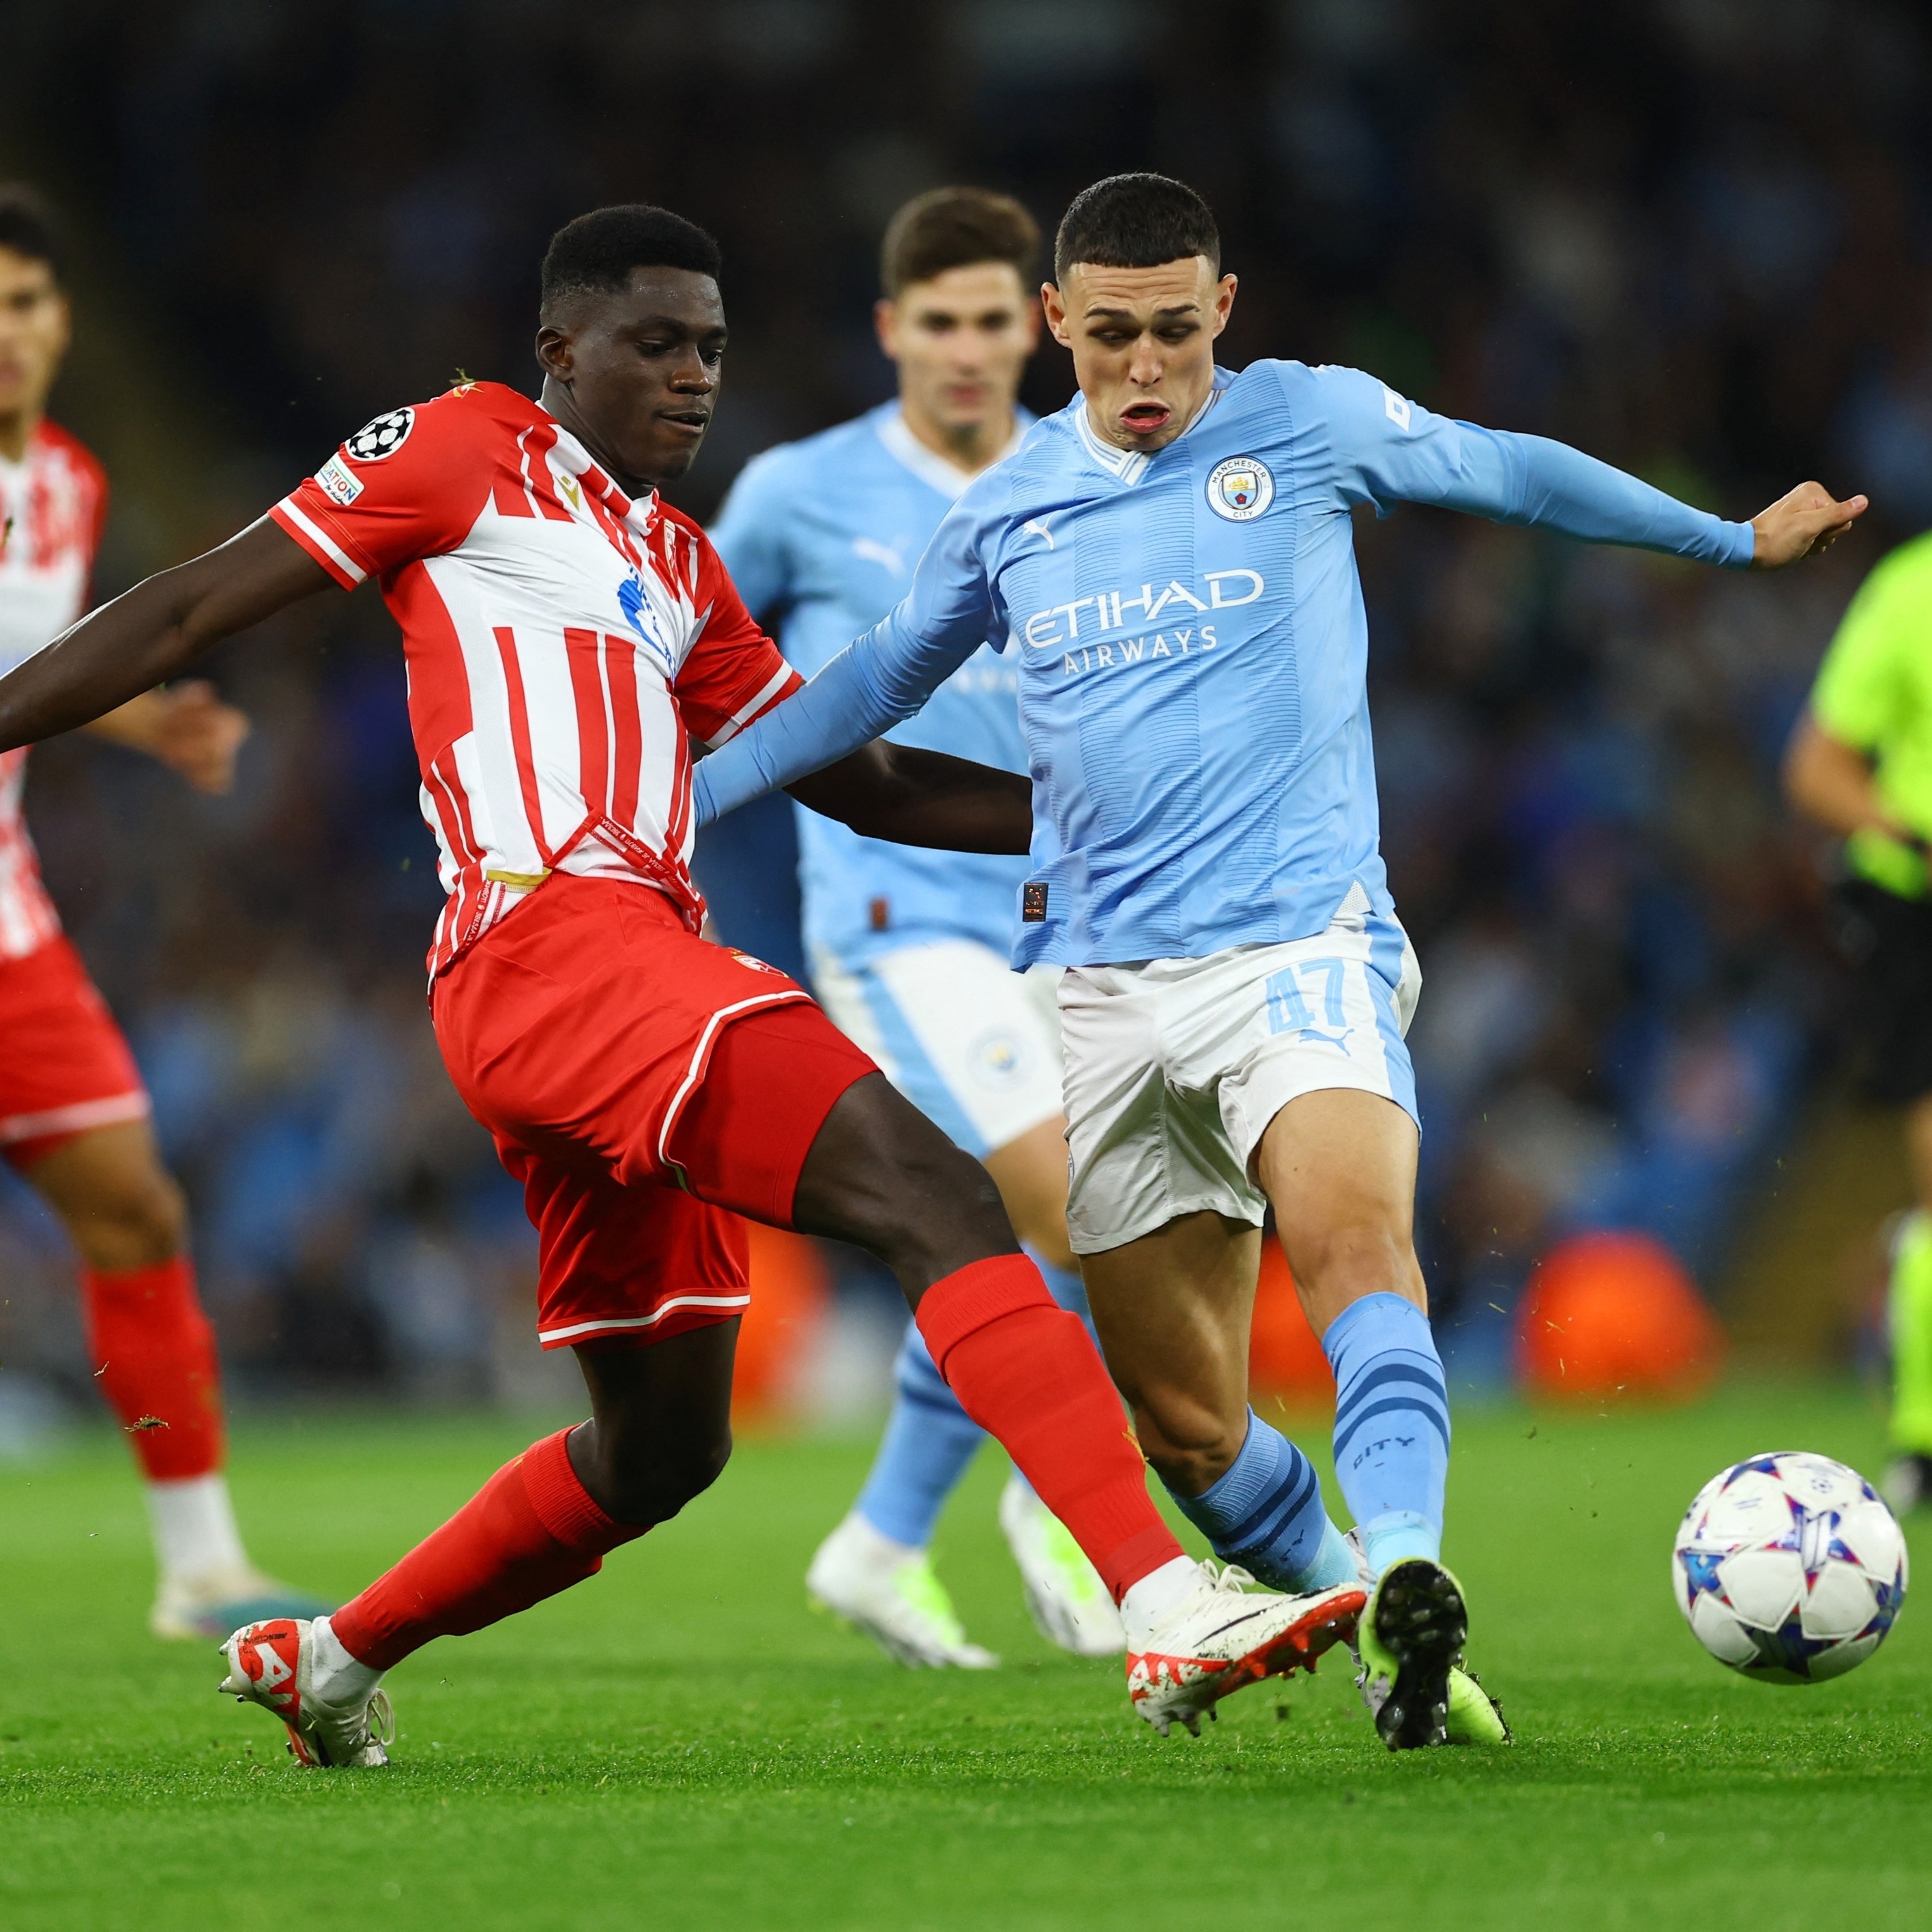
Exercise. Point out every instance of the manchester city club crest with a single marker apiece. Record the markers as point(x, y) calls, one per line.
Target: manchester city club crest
point(1240, 489)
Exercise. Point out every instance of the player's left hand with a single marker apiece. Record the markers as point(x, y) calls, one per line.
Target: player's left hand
point(1801, 524)
point(198, 735)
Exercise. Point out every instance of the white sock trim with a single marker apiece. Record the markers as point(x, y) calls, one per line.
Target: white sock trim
point(1152, 1600)
point(195, 1532)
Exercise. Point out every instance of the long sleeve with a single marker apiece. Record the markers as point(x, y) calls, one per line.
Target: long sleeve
point(1386, 449)
point(874, 683)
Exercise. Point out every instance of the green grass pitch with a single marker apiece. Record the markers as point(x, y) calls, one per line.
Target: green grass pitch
point(678, 1744)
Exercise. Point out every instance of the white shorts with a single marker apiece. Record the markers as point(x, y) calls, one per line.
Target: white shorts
point(973, 1045)
point(1175, 1067)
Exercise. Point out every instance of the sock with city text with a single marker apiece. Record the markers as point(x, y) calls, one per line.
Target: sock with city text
point(1265, 1514)
point(1025, 1370)
point(1391, 1426)
point(531, 1531)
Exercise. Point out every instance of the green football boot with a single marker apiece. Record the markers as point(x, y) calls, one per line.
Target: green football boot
point(1474, 1716)
point(1411, 1641)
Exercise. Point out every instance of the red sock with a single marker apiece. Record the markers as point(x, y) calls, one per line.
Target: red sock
point(529, 1531)
point(153, 1357)
point(1025, 1372)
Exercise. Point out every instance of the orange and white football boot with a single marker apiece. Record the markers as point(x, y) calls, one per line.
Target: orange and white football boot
point(273, 1664)
point(1224, 1635)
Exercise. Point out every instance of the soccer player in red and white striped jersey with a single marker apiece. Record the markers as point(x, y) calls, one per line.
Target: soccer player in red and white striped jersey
point(74, 1114)
point(570, 640)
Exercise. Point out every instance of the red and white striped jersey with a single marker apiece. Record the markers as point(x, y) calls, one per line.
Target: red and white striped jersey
point(53, 502)
point(565, 644)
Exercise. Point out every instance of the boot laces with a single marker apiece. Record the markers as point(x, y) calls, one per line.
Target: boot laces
point(380, 1719)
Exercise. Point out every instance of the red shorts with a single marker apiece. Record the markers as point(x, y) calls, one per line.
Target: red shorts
point(640, 1082)
point(64, 1067)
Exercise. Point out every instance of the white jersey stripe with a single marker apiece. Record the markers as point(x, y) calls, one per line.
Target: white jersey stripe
point(80, 1118)
point(614, 1324)
point(346, 564)
point(746, 712)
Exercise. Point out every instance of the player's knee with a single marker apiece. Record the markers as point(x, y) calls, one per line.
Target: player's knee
point(650, 1480)
point(135, 1222)
point(1191, 1443)
point(882, 1175)
point(1351, 1257)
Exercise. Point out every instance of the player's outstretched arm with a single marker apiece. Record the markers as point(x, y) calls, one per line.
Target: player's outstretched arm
point(1386, 448)
point(916, 797)
point(153, 631)
point(877, 681)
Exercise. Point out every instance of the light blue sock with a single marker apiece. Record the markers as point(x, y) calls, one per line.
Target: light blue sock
point(1066, 1288)
point(1265, 1514)
point(929, 1442)
point(1391, 1426)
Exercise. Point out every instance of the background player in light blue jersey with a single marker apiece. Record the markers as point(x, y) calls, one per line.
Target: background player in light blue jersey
point(1169, 563)
point(909, 949)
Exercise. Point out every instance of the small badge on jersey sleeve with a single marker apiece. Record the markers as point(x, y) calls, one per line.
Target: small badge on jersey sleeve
point(1240, 489)
point(383, 437)
point(1033, 902)
point(337, 484)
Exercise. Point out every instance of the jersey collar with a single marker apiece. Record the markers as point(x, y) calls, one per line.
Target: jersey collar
point(932, 469)
point(1131, 465)
point(572, 455)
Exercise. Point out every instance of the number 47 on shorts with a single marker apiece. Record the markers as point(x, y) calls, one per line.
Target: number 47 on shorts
point(1289, 992)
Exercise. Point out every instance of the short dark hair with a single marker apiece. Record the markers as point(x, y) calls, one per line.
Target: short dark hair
point(955, 228)
point(29, 227)
point(1136, 221)
point(596, 252)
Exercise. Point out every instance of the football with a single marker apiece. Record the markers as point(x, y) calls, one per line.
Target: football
point(1789, 1568)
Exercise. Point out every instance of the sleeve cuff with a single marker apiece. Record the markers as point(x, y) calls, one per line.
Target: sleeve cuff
point(319, 542)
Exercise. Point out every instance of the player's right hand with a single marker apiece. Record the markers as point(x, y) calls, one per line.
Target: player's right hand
point(1801, 524)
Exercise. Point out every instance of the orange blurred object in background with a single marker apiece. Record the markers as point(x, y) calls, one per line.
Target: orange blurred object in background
point(791, 1290)
point(1284, 1357)
point(1609, 1313)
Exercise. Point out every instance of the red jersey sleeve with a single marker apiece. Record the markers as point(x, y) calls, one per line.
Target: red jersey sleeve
point(410, 484)
point(732, 673)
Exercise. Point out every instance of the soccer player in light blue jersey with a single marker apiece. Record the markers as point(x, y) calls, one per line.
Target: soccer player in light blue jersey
point(1168, 563)
point(909, 948)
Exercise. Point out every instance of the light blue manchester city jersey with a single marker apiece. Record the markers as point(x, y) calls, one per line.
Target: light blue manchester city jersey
point(823, 535)
point(1191, 644)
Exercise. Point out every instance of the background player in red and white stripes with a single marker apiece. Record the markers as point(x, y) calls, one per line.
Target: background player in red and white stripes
point(74, 1114)
point(568, 636)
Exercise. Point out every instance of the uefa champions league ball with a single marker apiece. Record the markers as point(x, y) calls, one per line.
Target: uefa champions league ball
point(1789, 1568)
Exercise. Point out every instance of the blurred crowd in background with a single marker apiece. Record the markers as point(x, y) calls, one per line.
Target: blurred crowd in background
point(1691, 236)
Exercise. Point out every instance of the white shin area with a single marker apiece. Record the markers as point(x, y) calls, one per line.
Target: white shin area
point(195, 1532)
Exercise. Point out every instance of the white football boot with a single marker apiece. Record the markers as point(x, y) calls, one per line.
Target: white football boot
point(214, 1602)
point(273, 1665)
point(1224, 1634)
point(1069, 1603)
point(889, 1590)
